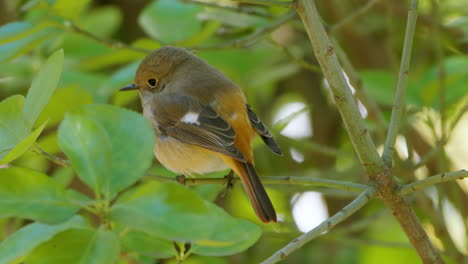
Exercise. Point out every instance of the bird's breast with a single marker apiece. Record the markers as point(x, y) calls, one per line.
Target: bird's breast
point(186, 159)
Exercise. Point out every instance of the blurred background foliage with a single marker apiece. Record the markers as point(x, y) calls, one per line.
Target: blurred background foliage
point(265, 50)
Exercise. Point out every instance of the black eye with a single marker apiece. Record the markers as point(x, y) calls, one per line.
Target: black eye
point(152, 82)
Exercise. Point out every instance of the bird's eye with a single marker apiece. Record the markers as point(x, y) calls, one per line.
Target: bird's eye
point(152, 82)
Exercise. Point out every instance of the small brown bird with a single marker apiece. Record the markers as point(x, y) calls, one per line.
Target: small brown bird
point(201, 120)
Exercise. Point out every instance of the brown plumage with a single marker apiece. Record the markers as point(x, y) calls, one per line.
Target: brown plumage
point(201, 120)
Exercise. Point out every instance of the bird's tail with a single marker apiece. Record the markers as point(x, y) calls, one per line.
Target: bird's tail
point(258, 197)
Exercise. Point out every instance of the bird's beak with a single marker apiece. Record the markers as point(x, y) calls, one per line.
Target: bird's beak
point(130, 87)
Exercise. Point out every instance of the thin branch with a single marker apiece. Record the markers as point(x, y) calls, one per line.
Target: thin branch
point(277, 3)
point(250, 39)
point(316, 147)
point(429, 155)
point(232, 7)
point(268, 180)
point(352, 16)
point(399, 102)
point(360, 224)
point(54, 159)
point(112, 44)
point(439, 178)
point(301, 62)
point(328, 224)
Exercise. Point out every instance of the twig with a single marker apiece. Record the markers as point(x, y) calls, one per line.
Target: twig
point(112, 44)
point(399, 102)
point(429, 155)
point(232, 7)
point(267, 3)
point(304, 64)
point(268, 180)
point(378, 173)
point(250, 39)
point(352, 16)
point(439, 178)
point(54, 159)
point(317, 147)
point(361, 224)
point(440, 56)
point(343, 214)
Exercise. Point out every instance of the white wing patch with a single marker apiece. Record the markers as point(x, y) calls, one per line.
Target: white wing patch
point(190, 118)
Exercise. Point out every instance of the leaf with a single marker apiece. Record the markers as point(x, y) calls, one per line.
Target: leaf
point(13, 129)
point(165, 210)
point(23, 241)
point(42, 87)
point(69, 9)
point(89, 149)
point(230, 236)
point(456, 76)
point(30, 194)
point(147, 245)
point(23, 146)
point(132, 140)
point(162, 20)
point(64, 100)
point(380, 85)
point(113, 152)
point(20, 37)
point(80, 246)
point(108, 17)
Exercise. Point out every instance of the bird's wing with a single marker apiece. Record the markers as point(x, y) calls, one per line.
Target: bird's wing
point(184, 118)
point(263, 131)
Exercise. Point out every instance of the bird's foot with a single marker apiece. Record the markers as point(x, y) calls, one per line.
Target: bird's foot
point(181, 179)
point(229, 180)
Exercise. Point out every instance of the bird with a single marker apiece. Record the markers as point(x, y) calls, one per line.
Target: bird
point(202, 121)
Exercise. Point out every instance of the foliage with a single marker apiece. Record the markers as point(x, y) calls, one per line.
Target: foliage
point(73, 161)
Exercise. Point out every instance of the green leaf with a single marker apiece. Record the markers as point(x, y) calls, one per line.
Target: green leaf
point(64, 100)
point(89, 149)
point(165, 210)
point(69, 9)
point(230, 235)
point(456, 77)
point(20, 37)
point(380, 85)
point(132, 140)
point(43, 87)
point(108, 18)
point(78, 246)
point(113, 151)
point(147, 245)
point(23, 146)
point(31, 194)
point(23, 241)
point(163, 20)
point(13, 129)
